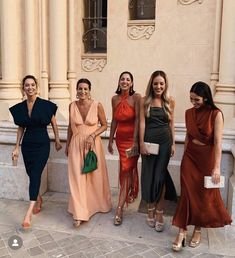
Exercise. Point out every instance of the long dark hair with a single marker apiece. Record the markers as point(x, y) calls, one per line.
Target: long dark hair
point(203, 90)
point(84, 80)
point(131, 91)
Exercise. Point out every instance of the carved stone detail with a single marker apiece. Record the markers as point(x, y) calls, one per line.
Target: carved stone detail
point(92, 64)
point(140, 31)
point(186, 2)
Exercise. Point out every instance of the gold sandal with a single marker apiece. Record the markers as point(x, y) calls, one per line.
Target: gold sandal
point(177, 246)
point(194, 243)
point(77, 223)
point(159, 226)
point(118, 218)
point(151, 221)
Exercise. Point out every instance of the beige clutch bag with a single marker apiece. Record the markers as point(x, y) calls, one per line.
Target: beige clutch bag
point(209, 184)
point(153, 148)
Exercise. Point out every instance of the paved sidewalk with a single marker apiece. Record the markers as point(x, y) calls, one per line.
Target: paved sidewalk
point(52, 234)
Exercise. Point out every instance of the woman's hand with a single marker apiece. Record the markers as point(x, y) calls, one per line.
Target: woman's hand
point(172, 150)
point(15, 153)
point(90, 141)
point(143, 149)
point(215, 175)
point(110, 148)
point(58, 145)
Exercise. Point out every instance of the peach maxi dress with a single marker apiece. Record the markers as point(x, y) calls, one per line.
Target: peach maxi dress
point(90, 193)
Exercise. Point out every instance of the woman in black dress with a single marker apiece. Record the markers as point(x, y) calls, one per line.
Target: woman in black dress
point(32, 116)
point(157, 126)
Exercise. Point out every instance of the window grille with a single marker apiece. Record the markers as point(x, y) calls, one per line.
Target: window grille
point(95, 26)
point(142, 9)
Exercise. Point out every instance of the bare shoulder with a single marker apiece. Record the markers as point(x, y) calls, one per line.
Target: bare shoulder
point(136, 96)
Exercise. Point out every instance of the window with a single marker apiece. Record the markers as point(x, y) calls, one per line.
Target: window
point(95, 26)
point(142, 9)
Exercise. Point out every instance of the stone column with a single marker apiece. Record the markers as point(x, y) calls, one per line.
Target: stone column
point(43, 49)
point(31, 36)
point(71, 51)
point(58, 91)
point(10, 92)
point(225, 88)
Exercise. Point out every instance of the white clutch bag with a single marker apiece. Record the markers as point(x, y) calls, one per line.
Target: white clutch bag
point(153, 148)
point(209, 184)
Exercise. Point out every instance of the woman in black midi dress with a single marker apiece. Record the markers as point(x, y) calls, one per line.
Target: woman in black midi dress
point(157, 126)
point(32, 116)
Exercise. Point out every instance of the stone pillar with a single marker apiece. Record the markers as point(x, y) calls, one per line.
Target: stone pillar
point(225, 88)
point(217, 37)
point(10, 92)
point(71, 51)
point(44, 49)
point(58, 91)
point(31, 36)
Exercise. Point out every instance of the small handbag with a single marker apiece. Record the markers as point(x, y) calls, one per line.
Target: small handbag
point(132, 152)
point(209, 184)
point(90, 162)
point(152, 148)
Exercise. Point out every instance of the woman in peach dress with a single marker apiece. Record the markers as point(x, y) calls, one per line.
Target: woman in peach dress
point(90, 193)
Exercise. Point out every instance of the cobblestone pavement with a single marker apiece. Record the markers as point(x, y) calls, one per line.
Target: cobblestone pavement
point(52, 235)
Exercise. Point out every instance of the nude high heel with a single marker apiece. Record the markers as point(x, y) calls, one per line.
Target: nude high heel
point(159, 226)
point(177, 246)
point(151, 221)
point(118, 216)
point(194, 243)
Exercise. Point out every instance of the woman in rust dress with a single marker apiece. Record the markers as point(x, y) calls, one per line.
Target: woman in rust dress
point(125, 106)
point(199, 206)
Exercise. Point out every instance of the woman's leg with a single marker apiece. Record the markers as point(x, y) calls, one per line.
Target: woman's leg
point(27, 219)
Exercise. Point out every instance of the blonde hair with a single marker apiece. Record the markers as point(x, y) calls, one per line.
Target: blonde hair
point(149, 94)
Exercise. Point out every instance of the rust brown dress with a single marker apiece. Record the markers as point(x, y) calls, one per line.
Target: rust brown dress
point(199, 206)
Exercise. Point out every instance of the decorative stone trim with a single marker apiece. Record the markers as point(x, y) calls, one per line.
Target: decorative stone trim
point(94, 62)
point(140, 29)
point(187, 2)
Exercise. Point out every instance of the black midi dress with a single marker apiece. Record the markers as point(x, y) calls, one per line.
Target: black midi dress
point(154, 173)
point(35, 145)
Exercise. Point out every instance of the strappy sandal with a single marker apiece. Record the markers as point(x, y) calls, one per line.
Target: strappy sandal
point(76, 223)
point(159, 226)
point(151, 221)
point(26, 225)
point(181, 242)
point(194, 243)
point(118, 218)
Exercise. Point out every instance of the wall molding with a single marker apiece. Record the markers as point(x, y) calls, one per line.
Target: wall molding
point(187, 2)
point(140, 29)
point(94, 62)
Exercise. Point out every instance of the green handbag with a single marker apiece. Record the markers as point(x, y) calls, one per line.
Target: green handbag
point(90, 162)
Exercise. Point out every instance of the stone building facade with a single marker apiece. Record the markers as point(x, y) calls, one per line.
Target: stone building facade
point(60, 41)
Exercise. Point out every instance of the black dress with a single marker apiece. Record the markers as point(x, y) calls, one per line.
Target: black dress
point(154, 167)
point(35, 145)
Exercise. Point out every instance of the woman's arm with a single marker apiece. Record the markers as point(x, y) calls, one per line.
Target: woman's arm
point(137, 98)
point(172, 125)
point(103, 126)
point(113, 126)
point(218, 132)
point(19, 135)
point(69, 135)
point(143, 149)
point(58, 145)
